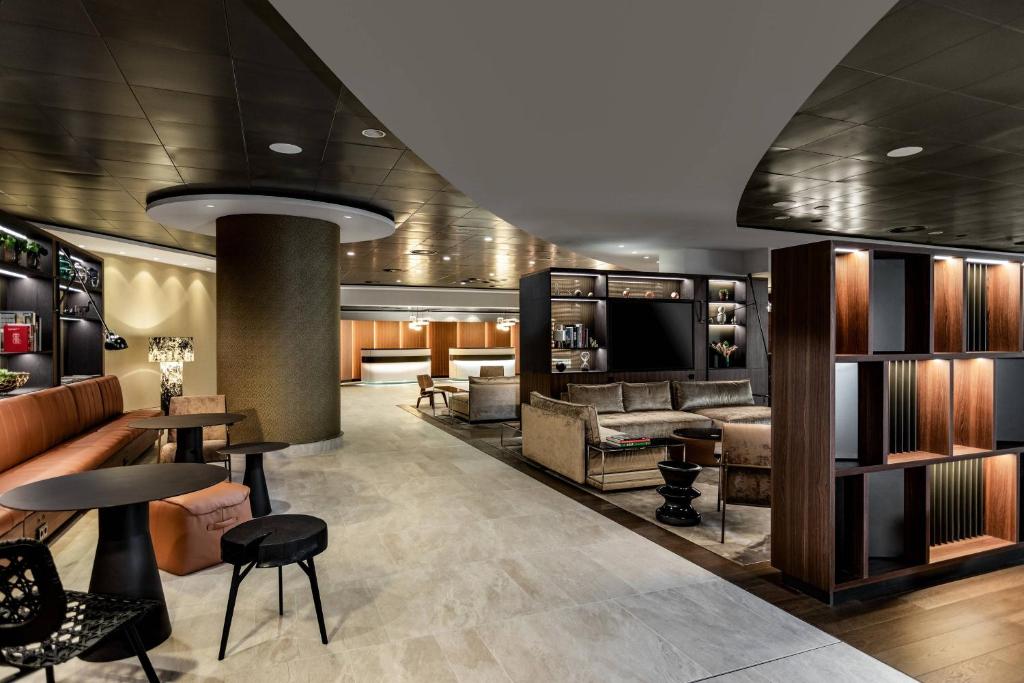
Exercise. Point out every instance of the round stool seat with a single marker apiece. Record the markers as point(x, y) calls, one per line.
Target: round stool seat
point(274, 541)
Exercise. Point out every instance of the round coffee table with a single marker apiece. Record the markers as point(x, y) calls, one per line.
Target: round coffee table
point(255, 479)
point(190, 431)
point(124, 563)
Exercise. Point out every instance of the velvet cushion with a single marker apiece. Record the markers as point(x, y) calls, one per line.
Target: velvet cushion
point(606, 398)
point(587, 413)
point(695, 395)
point(653, 423)
point(646, 396)
point(758, 415)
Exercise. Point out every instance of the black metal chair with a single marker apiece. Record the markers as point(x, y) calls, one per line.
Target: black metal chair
point(42, 625)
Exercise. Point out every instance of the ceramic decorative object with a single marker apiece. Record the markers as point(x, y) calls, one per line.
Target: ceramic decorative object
point(577, 292)
point(585, 361)
point(560, 366)
point(589, 294)
point(648, 294)
point(674, 295)
point(720, 316)
point(625, 293)
point(723, 294)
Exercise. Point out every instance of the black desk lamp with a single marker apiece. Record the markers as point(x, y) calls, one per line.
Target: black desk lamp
point(111, 341)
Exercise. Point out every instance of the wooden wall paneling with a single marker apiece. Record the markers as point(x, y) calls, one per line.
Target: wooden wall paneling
point(345, 351)
point(412, 339)
point(934, 407)
point(442, 336)
point(1003, 307)
point(1001, 494)
point(386, 334)
point(948, 298)
point(973, 404)
point(852, 309)
point(470, 335)
point(514, 343)
point(803, 281)
point(362, 338)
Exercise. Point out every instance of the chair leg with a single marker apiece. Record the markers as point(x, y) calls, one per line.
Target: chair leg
point(311, 574)
point(718, 502)
point(280, 591)
point(235, 580)
point(140, 651)
point(445, 397)
point(725, 475)
point(49, 675)
point(419, 401)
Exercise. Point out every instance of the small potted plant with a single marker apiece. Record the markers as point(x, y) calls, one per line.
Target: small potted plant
point(723, 294)
point(724, 349)
point(33, 252)
point(9, 248)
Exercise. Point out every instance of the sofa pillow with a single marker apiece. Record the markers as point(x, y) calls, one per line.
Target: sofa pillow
point(587, 413)
point(646, 396)
point(694, 395)
point(606, 398)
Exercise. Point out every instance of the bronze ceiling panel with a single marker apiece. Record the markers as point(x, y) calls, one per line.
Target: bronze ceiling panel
point(945, 75)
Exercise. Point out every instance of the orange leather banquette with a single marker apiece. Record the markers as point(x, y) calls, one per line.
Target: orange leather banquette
point(63, 430)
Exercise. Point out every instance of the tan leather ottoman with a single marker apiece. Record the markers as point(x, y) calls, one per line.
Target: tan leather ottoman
point(186, 529)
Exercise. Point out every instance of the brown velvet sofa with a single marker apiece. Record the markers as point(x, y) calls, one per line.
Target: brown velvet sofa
point(488, 399)
point(64, 430)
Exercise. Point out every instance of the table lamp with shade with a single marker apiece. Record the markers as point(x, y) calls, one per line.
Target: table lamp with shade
point(170, 352)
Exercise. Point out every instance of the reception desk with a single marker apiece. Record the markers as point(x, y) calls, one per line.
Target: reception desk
point(465, 363)
point(382, 366)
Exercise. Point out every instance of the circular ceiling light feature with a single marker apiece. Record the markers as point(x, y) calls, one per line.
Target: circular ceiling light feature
point(908, 151)
point(374, 133)
point(784, 205)
point(903, 229)
point(423, 252)
point(285, 148)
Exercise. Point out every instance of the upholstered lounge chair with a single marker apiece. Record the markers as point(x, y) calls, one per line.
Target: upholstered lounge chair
point(214, 438)
point(746, 467)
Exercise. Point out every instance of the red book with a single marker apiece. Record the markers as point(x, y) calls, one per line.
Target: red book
point(17, 338)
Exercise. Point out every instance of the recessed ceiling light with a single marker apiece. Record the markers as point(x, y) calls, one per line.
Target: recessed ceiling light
point(490, 274)
point(634, 252)
point(211, 206)
point(81, 246)
point(784, 205)
point(209, 268)
point(373, 133)
point(622, 246)
point(904, 151)
point(446, 258)
point(647, 257)
point(397, 280)
point(348, 217)
point(488, 239)
point(935, 232)
point(285, 148)
point(463, 283)
point(350, 253)
point(781, 218)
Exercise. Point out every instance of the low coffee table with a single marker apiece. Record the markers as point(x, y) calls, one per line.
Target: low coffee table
point(190, 431)
point(125, 563)
point(255, 479)
point(604, 448)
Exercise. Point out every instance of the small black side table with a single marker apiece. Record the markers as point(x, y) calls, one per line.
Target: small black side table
point(678, 493)
point(273, 541)
point(254, 478)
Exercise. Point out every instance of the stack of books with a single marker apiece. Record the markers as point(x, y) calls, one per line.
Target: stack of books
point(629, 441)
point(20, 331)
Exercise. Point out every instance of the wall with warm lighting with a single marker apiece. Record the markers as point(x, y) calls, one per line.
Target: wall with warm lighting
point(146, 299)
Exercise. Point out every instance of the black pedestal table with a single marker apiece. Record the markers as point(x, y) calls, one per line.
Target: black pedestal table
point(189, 431)
point(255, 479)
point(125, 563)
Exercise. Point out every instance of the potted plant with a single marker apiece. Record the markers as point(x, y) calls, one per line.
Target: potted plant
point(33, 251)
point(724, 349)
point(9, 248)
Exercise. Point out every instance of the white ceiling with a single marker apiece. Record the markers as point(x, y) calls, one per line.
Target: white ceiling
point(122, 246)
point(591, 123)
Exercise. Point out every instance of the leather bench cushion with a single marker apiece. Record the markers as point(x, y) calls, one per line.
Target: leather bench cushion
point(124, 421)
point(187, 529)
point(646, 396)
point(606, 398)
point(89, 402)
point(693, 395)
point(110, 395)
point(33, 423)
point(759, 415)
point(653, 423)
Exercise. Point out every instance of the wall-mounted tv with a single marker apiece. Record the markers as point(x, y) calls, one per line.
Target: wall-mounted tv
point(650, 335)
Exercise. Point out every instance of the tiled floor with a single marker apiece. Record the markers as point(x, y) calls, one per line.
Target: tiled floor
point(447, 565)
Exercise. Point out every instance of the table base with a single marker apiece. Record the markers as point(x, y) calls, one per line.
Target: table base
point(677, 510)
point(190, 445)
point(256, 480)
point(125, 564)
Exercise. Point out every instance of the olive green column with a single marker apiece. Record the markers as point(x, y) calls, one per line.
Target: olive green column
point(277, 327)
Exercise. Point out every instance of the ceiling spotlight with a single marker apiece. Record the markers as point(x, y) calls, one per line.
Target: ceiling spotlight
point(490, 274)
point(935, 232)
point(784, 205)
point(488, 239)
point(532, 262)
point(446, 258)
point(634, 252)
point(350, 253)
point(81, 246)
point(156, 258)
point(373, 133)
point(211, 206)
point(397, 280)
point(647, 257)
point(348, 217)
point(209, 268)
point(904, 151)
point(285, 148)
point(622, 246)
point(781, 218)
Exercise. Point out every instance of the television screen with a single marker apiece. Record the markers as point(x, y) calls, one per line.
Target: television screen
point(650, 335)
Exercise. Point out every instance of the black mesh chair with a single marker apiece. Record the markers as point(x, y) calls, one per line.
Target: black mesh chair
point(42, 625)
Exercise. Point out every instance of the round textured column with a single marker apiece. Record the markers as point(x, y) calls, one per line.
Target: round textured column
point(277, 326)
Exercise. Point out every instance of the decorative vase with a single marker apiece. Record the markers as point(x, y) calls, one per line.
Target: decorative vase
point(720, 315)
point(9, 255)
point(32, 260)
point(577, 292)
point(560, 366)
point(723, 295)
point(648, 294)
point(625, 293)
point(674, 295)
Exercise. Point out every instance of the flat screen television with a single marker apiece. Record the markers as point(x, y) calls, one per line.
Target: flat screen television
point(650, 335)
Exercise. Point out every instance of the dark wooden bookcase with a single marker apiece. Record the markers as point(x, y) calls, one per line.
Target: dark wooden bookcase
point(897, 428)
point(68, 344)
point(569, 296)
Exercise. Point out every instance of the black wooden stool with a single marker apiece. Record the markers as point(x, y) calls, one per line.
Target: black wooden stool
point(273, 541)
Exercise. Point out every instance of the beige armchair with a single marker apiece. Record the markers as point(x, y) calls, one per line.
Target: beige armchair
point(214, 438)
point(492, 370)
point(488, 399)
point(746, 466)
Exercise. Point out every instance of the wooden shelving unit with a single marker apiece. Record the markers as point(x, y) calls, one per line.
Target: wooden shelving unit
point(556, 299)
point(67, 347)
point(897, 424)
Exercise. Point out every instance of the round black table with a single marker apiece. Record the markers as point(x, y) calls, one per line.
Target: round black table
point(709, 433)
point(125, 563)
point(190, 431)
point(255, 479)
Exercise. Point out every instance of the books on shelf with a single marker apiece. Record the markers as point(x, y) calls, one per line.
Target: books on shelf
point(629, 441)
point(573, 336)
point(20, 332)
